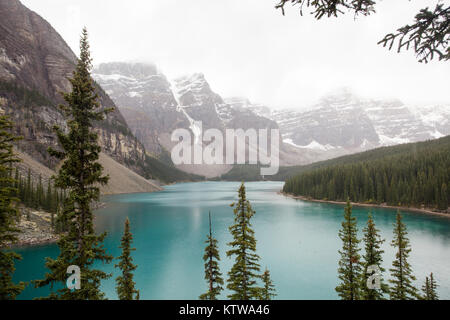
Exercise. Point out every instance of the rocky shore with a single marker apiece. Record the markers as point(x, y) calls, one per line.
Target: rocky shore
point(35, 228)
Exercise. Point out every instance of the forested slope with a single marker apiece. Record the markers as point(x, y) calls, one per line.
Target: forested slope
point(412, 174)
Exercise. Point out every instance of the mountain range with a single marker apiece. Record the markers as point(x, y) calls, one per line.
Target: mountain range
point(153, 107)
point(344, 120)
point(339, 123)
point(35, 63)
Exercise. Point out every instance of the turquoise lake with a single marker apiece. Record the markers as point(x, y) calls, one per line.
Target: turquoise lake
point(297, 241)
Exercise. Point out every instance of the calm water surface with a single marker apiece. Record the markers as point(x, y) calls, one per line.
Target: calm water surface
point(298, 241)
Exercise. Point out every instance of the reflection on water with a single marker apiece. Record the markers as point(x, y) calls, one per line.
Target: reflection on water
point(298, 241)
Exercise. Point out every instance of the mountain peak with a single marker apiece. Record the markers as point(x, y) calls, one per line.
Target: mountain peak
point(193, 83)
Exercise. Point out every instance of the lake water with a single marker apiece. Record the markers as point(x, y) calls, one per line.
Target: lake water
point(297, 241)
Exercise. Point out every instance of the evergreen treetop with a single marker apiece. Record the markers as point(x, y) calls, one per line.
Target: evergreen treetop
point(212, 272)
point(372, 258)
point(243, 276)
point(402, 287)
point(429, 288)
point(80, 175)
point(349, 265)
point(125, 285)
point(268, 291)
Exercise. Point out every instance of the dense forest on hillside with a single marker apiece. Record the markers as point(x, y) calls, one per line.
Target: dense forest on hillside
point(413, 174)
point(252, 172)
point(33, 194)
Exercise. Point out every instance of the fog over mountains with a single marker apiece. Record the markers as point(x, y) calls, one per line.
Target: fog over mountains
point(339, 123)
point(35, 62)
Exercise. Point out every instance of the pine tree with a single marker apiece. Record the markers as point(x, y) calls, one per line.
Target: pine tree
point(402, 277)
point(426, 289)
point(28, 191)
point(16, 181)
point(372, 257)
point(8, 213)
point(48, 198)
point(429, 288)
point(443, 203)
point(125, 287)
point(39, 193)
point(244, 273)
point(81, 176)
point(349, 264)
point(433, 287)
point(268, 291)
point(212, 271)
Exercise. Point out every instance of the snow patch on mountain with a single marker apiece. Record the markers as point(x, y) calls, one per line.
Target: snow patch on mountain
point(388, 141)
point(313, 145)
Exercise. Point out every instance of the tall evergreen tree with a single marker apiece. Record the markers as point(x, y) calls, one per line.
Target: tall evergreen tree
point(349, 264)
point(28, 191)
point(81, 176)
point(48, 198)
point(372, 257)
point(212, 271)
point(268, 291)
point(426, 289)
point(242, 278)
point(125, 285)
point(443, 201)
point(402, 277)
point(429, 288)
point(8, 213)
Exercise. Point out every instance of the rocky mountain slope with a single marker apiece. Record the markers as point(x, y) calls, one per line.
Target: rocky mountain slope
point(154, 107)
point(35, 63)
point(343, 121)
point(145, 99)
point(121, 179)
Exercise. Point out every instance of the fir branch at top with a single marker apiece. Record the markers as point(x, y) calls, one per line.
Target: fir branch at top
point(428, 35)
point(80, 174)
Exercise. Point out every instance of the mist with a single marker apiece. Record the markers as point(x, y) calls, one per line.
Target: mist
point(249, 49)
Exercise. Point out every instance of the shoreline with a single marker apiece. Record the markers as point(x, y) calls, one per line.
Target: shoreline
point(34, 243)
point(358, 204)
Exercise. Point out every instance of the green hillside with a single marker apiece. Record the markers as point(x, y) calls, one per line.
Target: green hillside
point(412, 174)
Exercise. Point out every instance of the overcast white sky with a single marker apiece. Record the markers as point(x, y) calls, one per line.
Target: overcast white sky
point(247, 48)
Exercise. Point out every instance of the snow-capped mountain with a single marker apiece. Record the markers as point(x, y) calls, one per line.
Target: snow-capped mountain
point(345, 121)
point(145, 98)
point(153, 107)
point(339, 123)
point(435, 116)
point(197, 100)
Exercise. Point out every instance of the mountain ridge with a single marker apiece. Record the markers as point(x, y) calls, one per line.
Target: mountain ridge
point(35, 63)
